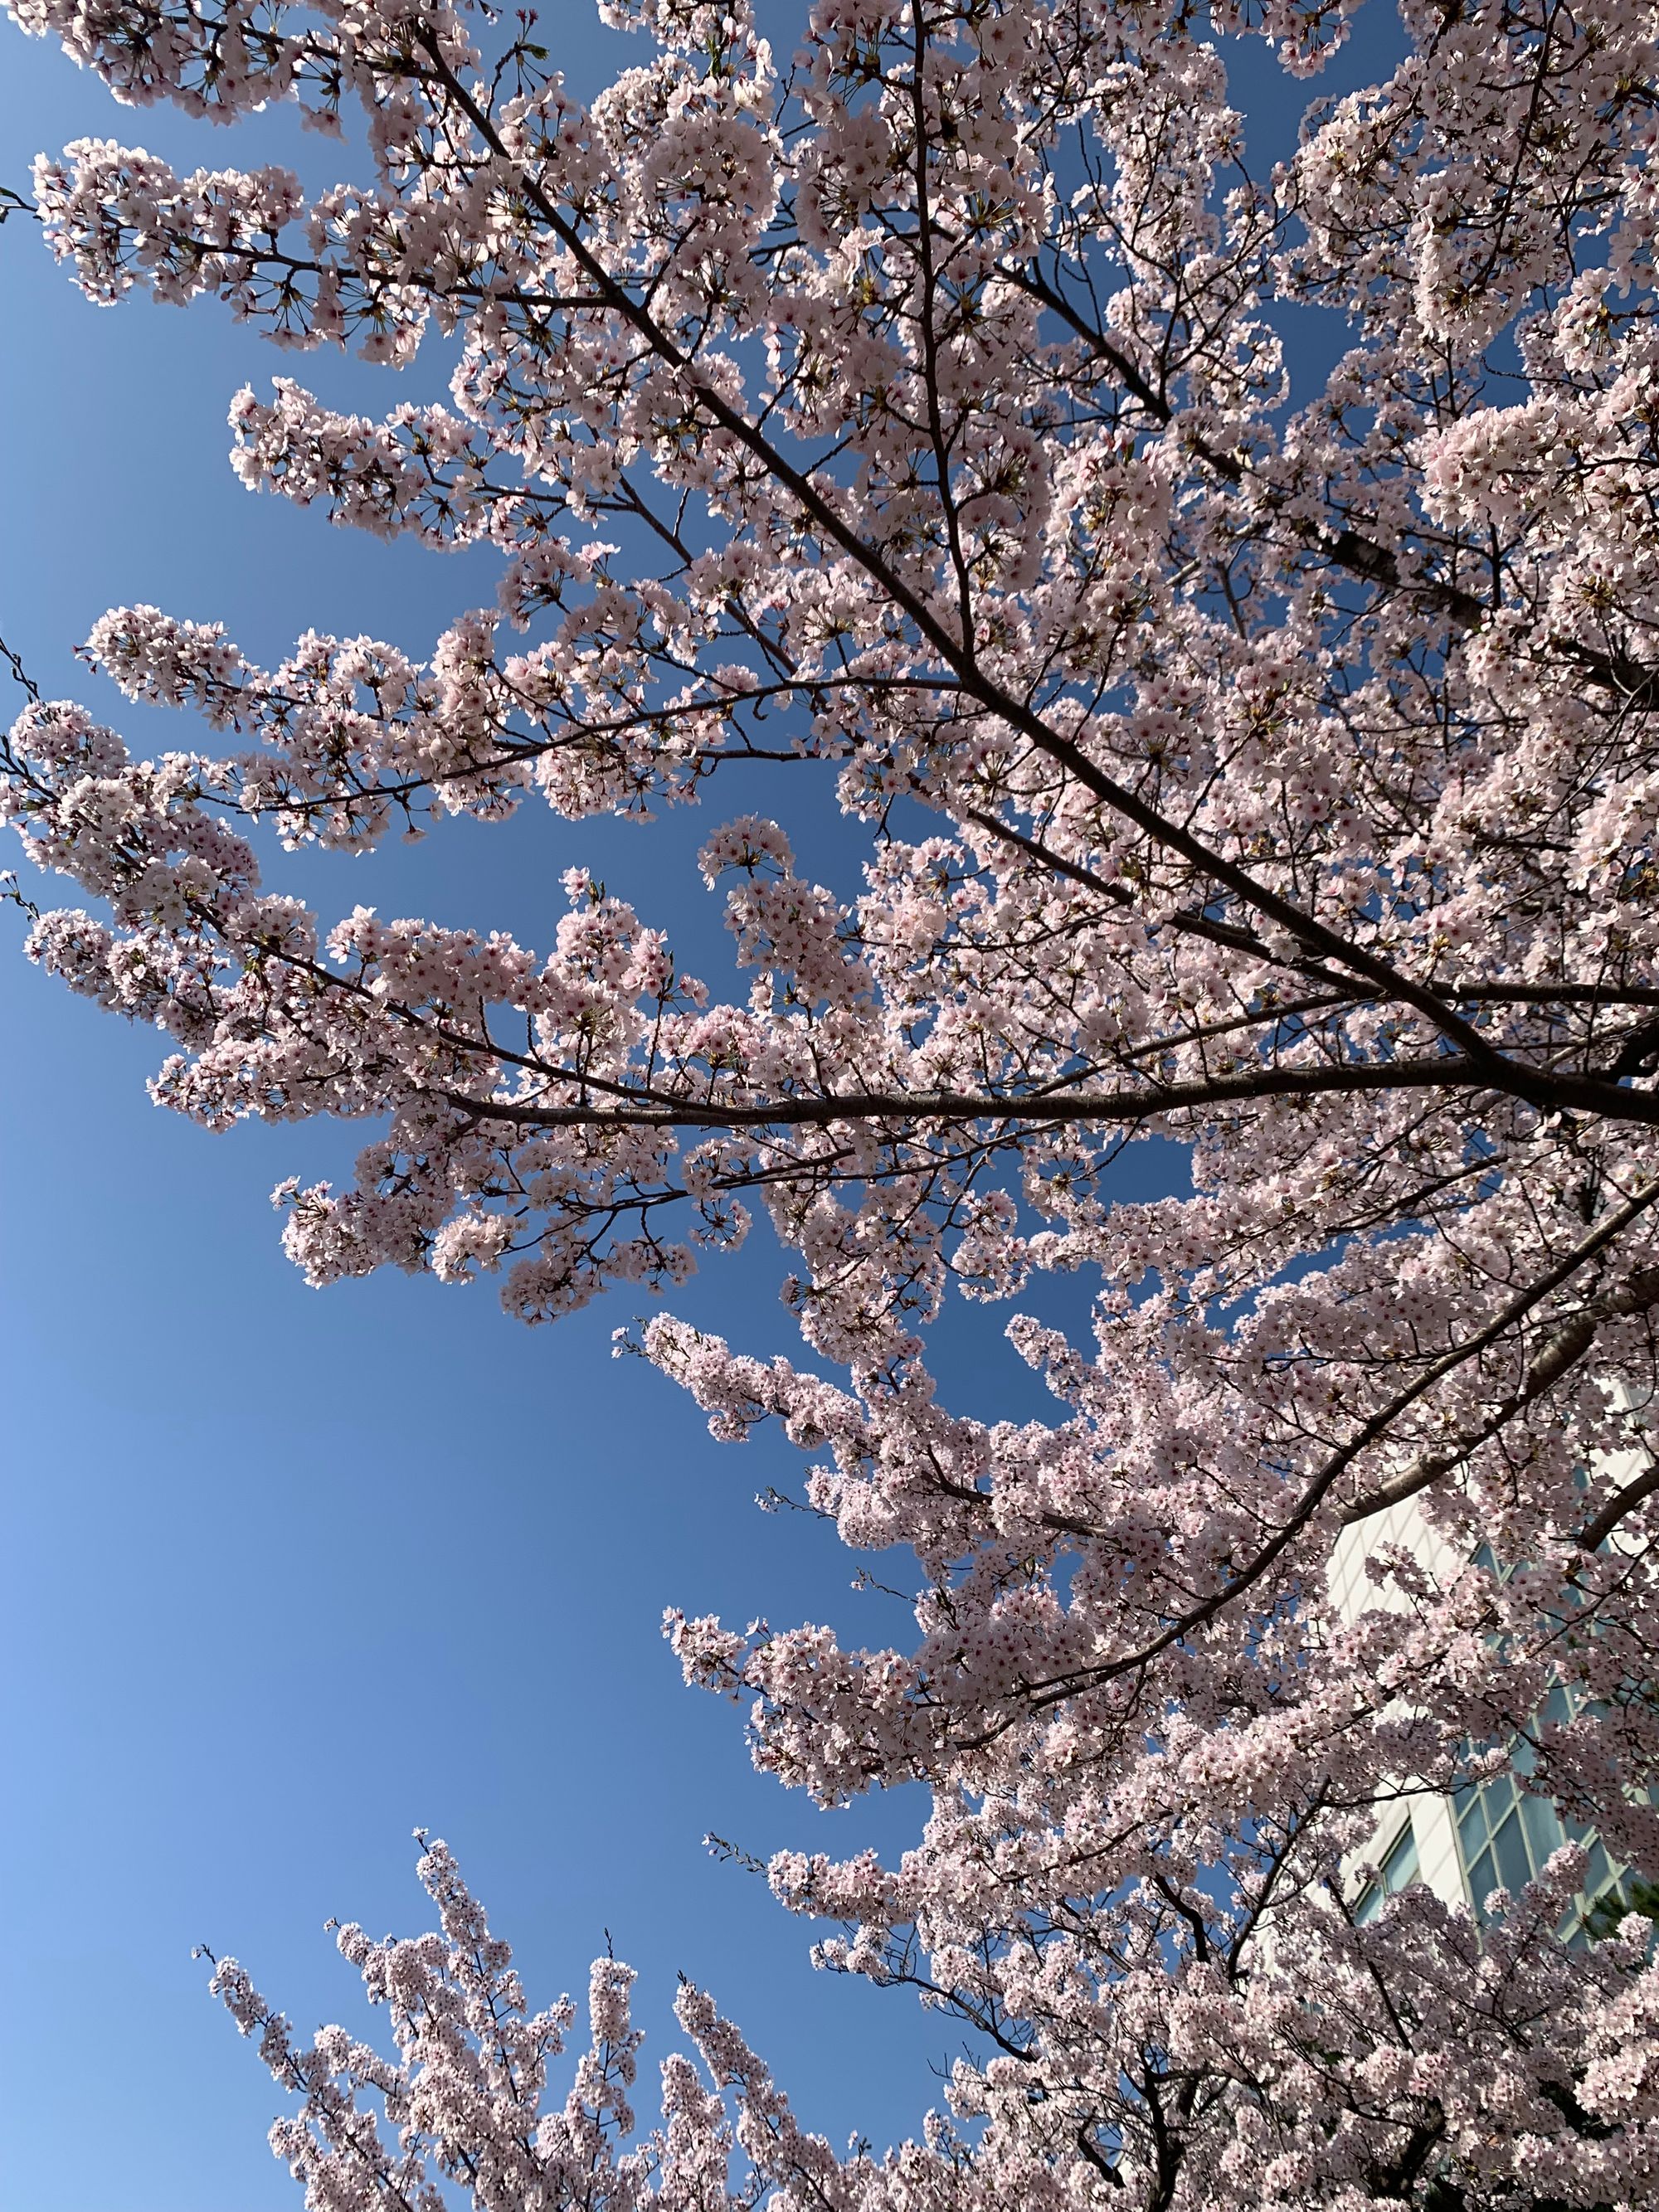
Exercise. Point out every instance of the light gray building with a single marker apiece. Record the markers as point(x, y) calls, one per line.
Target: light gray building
point(1494, 1835)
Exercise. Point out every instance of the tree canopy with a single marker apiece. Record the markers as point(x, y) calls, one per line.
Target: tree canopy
point(895, 392)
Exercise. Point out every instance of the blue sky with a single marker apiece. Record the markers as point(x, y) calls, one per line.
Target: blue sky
point(287, 1572)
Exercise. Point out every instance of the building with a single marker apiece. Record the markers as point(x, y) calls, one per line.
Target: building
point(1496, 1835)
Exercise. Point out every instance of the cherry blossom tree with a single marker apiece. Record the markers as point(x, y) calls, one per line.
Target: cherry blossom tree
point(891, 393)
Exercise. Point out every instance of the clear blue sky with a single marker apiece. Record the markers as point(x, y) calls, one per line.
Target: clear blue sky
point(282, 1572)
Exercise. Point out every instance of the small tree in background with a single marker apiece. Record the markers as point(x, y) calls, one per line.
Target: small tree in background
point(1275, 773)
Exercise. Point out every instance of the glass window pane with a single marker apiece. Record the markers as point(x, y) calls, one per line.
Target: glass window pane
point(1543, 1827)
point(1472, 1825)
point(1371, 1902)
point(1483, 1880)
point(1400, 1865)
point(1510, 1846)
point(1598, 1873)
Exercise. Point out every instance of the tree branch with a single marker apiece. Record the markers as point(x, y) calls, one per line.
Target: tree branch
point(1371, 1432)
point(639, 1109)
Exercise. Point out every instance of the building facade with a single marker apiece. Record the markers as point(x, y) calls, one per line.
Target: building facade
point(1494, 1835)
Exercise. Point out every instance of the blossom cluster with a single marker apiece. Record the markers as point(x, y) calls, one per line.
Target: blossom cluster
point(466, 2101)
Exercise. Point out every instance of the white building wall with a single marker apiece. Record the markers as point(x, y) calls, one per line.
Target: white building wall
point(1429, 1813)
point(1440, 1863)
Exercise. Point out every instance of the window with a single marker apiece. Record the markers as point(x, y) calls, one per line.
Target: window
point(1399, 1867)
point(1505, 1834)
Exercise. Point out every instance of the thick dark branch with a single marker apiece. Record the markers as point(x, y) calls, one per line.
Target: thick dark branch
point(1594, 1533)
point(1565, 1350)
point(661, 1110)
point(1474, 991)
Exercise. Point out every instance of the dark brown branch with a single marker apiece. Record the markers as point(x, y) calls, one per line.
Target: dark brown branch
point(1595, 1533)
point(641, 1109)
point(1564, 1351)
point(1474, 992)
